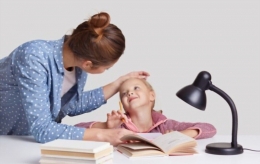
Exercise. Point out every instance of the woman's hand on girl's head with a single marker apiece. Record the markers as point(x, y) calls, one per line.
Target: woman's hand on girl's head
point(135, 74)
point(112, 88)
point(114, 119)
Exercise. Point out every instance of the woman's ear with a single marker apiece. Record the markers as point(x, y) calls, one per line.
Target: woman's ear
point(87, 65)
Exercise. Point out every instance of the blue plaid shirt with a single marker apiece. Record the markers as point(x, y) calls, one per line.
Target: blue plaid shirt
point(30, 93)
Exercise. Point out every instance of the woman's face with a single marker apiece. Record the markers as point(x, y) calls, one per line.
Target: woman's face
point(88, 67)
point(98, 70)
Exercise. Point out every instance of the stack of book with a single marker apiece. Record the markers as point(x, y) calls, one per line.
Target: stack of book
point(63, 151)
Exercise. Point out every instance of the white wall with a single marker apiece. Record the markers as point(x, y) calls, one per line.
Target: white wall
point(172, 40)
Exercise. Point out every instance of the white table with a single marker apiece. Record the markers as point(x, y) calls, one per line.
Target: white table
point(24, 150)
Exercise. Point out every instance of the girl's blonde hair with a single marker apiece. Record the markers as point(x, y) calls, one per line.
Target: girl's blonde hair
point(149, 86)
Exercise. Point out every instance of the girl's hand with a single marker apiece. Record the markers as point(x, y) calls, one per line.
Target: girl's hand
point(168, 131)
point(114, 119)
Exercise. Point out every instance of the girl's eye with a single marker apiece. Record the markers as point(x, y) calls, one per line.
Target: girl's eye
point(123, 94)
point(136, 88)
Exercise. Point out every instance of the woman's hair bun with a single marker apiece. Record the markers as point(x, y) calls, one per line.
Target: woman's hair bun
point(99, 21)
point(97, 40)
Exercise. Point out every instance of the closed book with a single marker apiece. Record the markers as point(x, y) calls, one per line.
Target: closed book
point(77, 155)
point(75, 146)
point(55, 160)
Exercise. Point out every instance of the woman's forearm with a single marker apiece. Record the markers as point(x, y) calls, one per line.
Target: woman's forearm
point(111, 89)
point(108, 135)
point(93, 135)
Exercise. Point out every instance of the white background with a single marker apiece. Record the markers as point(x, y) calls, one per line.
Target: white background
point(172, 40)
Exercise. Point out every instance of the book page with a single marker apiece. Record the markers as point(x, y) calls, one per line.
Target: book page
point(149, 136)
point(135, 153)
point(139, 146)
point(134, 137)
point(169, 141)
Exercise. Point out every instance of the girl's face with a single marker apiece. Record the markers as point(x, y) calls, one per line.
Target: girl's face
point(134, 94)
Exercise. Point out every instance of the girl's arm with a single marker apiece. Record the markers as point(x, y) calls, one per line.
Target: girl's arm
point(191, 132)
point(92, 124)
point(114, 120)
point(196, 130)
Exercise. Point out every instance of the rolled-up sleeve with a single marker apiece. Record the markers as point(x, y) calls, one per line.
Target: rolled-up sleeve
point(88, 101)
point(31, 72)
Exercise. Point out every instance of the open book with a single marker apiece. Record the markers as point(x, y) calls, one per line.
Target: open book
point(149, 136)
point(174, 143)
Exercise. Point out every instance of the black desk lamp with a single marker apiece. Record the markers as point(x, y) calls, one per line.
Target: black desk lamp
point(194, 95)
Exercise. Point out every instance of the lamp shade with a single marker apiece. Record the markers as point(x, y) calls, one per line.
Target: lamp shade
point(194, 94)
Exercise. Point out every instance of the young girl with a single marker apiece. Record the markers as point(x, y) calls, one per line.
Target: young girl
point(138, 98)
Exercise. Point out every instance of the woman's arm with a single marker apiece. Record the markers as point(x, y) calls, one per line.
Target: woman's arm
point(108, 135)
point(93, 99)
point(111, 89)
point(31, 73)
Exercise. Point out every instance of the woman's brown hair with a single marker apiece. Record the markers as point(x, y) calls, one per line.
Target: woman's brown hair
point(97, 40)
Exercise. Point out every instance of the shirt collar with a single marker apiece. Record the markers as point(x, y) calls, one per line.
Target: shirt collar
point(57, 53)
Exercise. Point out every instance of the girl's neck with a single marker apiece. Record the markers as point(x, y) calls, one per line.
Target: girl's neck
point(142, 119)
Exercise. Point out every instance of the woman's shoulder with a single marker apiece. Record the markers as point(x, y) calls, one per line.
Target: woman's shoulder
point(38, 44)
point(41, 49)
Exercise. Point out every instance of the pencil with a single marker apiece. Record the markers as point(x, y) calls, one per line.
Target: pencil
point(121, 110)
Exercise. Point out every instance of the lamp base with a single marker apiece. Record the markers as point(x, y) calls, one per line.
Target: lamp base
point(223, 148)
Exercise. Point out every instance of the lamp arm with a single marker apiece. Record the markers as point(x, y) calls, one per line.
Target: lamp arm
point(233, 111)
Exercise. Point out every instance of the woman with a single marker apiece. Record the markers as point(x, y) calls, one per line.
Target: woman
point(42, 81)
